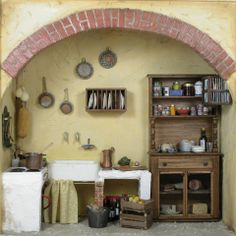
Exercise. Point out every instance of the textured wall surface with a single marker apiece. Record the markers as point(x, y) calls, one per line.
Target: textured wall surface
point(138, 54)
point(158, 55)
point(228, 139)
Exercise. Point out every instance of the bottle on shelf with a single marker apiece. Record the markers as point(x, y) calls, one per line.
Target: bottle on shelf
point(117, 209)
point(172, 110)
point(203, 139)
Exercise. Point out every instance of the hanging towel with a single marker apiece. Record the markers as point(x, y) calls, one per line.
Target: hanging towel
point(64, 202)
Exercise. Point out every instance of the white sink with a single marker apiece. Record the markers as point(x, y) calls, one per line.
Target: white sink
point(76, 170)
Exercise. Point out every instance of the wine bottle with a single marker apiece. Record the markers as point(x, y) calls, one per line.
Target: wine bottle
point(203, 139)
point(117, 209)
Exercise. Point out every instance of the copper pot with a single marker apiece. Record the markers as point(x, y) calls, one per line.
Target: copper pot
point(107, 158)
point(34, 161)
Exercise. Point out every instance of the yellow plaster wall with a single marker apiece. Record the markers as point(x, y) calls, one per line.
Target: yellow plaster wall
point(138, 54)
point(142, 54)
point(7, 99)
point(228, 139)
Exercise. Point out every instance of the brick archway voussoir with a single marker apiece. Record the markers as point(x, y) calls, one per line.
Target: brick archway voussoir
point(126, 19)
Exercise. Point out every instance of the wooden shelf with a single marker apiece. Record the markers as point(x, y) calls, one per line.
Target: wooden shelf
point(178, 76)
point(154, 153)
point(177, 97)
point(183, 117)
point(201, 191)
point(106, 99)
point(171, 192)
point(181, 167)
point(167, 216)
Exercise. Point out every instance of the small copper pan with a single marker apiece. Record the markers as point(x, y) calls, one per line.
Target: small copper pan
point(45, 99)
point(66, 106)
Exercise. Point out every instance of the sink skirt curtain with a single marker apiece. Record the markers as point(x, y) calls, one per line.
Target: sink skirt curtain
point(64, 202)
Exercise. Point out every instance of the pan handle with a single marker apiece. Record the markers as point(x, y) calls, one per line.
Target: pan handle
point(66, 98)
point(44, 84)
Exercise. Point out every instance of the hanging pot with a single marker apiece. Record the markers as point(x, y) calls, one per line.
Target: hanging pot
point(66, 106)
point(45, 99)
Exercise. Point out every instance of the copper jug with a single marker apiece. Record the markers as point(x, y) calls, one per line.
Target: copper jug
point(107, 158)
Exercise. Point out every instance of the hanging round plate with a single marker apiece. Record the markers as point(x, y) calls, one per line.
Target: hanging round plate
point(107, 59)
point(84, 69)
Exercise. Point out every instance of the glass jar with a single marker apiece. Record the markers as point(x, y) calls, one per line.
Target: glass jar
point(188, 89)
point(198, 88)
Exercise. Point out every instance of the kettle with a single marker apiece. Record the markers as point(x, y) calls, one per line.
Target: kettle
point(107, 158)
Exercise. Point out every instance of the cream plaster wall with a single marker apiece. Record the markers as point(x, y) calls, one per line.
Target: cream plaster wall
point(210, 17)
point(21, 18)
point(138, 54)
point(228, 138)
point(7, 90)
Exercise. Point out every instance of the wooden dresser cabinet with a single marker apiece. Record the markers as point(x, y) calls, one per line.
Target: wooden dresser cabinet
point(185, 185)
point(172, 176)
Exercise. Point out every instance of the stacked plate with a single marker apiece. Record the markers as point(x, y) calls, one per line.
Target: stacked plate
point(198, 149)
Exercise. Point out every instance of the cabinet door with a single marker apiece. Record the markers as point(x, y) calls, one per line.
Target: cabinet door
point(200, 185)
point(171, 198)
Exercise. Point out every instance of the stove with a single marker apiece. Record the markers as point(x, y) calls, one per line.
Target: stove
point(22, 199)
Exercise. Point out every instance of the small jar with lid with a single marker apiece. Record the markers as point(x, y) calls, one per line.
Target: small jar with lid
point(188, 89)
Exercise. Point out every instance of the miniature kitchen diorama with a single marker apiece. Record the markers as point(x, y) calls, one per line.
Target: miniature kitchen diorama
point(182, 182)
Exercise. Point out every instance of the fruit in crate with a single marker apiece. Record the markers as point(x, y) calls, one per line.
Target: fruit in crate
point(135, 199)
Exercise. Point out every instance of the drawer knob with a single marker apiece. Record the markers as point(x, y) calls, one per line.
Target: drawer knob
point(205, 163)
point(164, 164)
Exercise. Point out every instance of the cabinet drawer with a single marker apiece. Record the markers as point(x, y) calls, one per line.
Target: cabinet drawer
point(185, 163)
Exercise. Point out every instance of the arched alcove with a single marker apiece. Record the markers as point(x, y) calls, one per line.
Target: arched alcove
point(127, 19)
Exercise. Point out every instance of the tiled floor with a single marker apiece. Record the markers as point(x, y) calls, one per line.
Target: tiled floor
point(157, 229)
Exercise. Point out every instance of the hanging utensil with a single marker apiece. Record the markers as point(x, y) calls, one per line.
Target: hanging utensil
point(66, 106)
point(22, 121)
point(45, 99)
point(88, 145)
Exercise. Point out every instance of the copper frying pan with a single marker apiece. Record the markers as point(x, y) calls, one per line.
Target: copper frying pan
point(45, 99)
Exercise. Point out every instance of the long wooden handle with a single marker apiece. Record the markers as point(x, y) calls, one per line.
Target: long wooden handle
point(22, 122)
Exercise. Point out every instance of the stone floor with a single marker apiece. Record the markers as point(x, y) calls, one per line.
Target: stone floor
point(157, 229)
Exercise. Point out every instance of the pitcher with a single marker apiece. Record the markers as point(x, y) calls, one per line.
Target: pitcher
point(107, 158)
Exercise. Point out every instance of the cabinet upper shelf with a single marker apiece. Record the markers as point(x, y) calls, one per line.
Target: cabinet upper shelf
point(183, 117)
point(177, 97)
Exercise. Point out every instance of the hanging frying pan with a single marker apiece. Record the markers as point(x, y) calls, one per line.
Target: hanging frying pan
point(66, 106)
point(45, 99)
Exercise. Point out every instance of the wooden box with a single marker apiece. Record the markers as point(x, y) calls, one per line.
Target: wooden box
point(132, 206)
point(134, 215)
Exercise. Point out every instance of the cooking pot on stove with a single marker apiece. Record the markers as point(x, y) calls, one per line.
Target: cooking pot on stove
point(34, 161)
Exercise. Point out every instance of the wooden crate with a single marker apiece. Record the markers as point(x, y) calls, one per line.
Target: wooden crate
point(134, 220)
point(126, 205)
point(134, 215)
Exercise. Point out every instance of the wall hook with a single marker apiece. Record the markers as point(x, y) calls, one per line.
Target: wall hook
point(66, 137)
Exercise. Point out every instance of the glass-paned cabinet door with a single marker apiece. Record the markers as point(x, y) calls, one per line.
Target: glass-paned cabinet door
point(171, 202)
point(199, 200)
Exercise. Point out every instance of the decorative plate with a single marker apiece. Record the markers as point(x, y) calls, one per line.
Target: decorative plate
point(107, 59)
point(84, 69)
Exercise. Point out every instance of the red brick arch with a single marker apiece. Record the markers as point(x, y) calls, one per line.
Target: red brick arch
point(127, 19)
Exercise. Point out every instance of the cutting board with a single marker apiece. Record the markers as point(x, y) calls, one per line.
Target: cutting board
point(129, 168)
